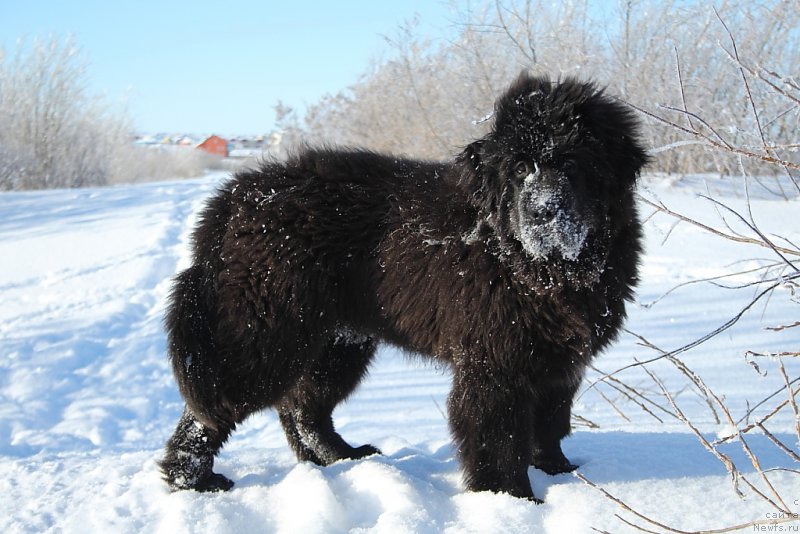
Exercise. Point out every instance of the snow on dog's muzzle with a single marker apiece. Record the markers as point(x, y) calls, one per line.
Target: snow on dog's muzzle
point(548, 220)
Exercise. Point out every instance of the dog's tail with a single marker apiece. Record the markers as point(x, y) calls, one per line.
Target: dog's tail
point(192, 318)
point(190, 323)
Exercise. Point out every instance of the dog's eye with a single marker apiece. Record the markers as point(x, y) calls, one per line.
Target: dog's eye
point(522, 169)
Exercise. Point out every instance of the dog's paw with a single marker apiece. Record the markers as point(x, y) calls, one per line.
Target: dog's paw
point(363, 451)
point(554, 466)
point(214, 482)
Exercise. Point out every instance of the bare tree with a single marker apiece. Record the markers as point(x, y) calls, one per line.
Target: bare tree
point(53, 133)
point(753, 146)
point(428, 98)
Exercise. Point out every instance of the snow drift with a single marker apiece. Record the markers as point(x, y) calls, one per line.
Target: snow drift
point(87, 398)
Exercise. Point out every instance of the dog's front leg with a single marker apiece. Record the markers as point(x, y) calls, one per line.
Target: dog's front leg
point(490, 422)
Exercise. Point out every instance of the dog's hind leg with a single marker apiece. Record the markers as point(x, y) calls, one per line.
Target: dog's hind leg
point(190, 451)
point(189, 456)
point(306, 410)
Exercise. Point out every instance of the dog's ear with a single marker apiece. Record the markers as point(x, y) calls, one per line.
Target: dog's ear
point(477, 176)
point(613, 123)
point(473, 175)
point(472, 155)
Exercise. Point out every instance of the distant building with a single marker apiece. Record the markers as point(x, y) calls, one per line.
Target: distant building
point(215, 145)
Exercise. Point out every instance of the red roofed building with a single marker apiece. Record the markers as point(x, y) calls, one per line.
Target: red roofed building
point(215, 145)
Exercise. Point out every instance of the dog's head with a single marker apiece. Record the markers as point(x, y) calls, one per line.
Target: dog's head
point(559, 159)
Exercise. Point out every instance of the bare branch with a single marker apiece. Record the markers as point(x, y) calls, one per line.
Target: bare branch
point(789, 452)
point(713, 280)
point(792, 397)
point(766, 399)
point(720, 145)
point(666, 528)
point(745, 83)
point(627, 508)
point(662, 208)
point(765, 241)
point(783, 327)
point(529, 52)
point(635, 396)
point(585, 422)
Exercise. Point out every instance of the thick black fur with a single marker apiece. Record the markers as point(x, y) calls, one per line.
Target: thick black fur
point(512, 264)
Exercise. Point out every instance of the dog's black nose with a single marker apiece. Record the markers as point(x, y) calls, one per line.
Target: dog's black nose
point(543, 214)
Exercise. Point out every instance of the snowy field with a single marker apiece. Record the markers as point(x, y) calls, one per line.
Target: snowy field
point(87, 399)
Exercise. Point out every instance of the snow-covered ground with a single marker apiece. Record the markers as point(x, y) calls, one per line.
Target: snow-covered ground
point(87, 399)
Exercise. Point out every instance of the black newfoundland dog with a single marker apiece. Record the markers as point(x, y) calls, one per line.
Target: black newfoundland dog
point(512, 264)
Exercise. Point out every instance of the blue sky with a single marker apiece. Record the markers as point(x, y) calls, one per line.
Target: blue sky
point(218, 67)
